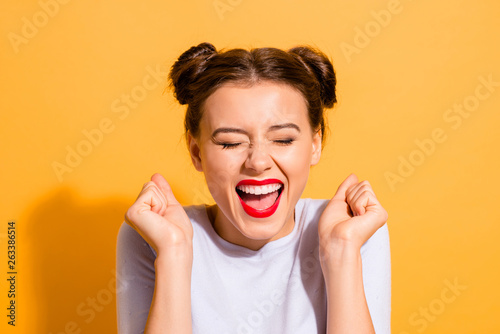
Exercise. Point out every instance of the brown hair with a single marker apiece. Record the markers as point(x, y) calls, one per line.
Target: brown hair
point(200, 70)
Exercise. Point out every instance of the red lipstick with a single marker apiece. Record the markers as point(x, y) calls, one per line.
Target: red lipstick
point(252, 182)
point(265, 212)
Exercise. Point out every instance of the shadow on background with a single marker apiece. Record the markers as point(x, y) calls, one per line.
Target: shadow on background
point(73, 242)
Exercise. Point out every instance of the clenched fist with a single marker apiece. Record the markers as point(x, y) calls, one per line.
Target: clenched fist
point(352, 216)
point(159, 218)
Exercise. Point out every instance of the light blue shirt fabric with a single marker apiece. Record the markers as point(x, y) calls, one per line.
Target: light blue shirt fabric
point(235, 290)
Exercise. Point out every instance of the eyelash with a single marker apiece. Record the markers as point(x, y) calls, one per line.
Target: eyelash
point(226, 146)
point(285, 142)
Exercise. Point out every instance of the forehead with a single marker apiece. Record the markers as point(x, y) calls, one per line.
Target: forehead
point(254, 107)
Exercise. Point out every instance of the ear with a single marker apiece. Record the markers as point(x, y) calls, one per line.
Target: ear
point(316, 147)
point(194, 151)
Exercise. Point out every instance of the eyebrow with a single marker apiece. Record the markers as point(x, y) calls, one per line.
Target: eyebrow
point(271, 128)
point(284, 126)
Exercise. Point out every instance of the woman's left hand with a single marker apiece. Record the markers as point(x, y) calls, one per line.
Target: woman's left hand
point(352, 216)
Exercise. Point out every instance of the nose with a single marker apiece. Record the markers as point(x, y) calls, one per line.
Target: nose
point(258, 159)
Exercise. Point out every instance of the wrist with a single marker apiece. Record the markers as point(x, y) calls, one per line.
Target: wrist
point(339, 253)
point(175, 257)
point(174, 274)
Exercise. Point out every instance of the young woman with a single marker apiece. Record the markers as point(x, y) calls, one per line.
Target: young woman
point(261, 260)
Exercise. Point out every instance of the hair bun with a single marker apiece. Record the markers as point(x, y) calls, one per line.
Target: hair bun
point(187, 68)
point(321, 67)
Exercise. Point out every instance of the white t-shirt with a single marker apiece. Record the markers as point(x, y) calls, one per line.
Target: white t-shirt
point(276, 289)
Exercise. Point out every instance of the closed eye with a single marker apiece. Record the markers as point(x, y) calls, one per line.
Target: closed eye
point(284, 141)
point(228, 145)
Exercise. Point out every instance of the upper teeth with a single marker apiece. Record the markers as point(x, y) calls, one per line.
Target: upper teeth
point(260, 190)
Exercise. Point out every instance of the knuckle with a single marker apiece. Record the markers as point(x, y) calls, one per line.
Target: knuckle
point(385, 214)
point(148, 184)
point(369, 193)
point(366, 187)
point(132, 213)
point(129, 213)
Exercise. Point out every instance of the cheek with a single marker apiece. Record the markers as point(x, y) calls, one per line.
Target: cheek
point(294, 158)
point(221, 170)
point(295, 164)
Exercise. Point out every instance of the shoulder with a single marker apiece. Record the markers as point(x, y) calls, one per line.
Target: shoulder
point(307, 214)
point(376, 266)
point(198, 215)
point(129, 241)
point(135, 280)
point(379, 241)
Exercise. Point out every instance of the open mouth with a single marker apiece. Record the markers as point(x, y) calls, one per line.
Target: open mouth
point(260, 199)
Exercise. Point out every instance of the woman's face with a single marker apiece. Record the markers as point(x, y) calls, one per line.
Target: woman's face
point(255, 148)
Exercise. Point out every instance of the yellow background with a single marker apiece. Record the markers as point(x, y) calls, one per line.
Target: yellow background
point(395, 89)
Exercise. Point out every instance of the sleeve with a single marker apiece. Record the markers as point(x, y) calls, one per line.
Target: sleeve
point(376, 264)
point(135, 275)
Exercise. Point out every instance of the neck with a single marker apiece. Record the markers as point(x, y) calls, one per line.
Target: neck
point(227, 231)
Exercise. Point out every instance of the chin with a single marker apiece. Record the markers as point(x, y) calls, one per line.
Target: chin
point(260, 230)
point(264, 229)
point(267, 223)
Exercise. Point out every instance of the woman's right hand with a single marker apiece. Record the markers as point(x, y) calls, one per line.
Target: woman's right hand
point(159, 218)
